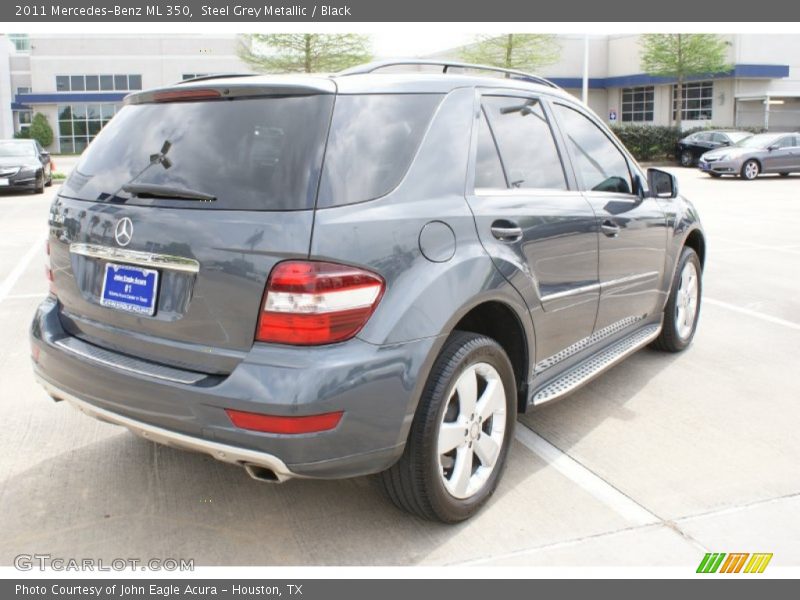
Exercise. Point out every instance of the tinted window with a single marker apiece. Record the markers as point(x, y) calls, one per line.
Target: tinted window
point(372, 141)
point(76, 82)
point(135, 82)
point(719, 137)
point(599, 164)
point(785, 142)
point(488, 169)
point(257, 154)
point(526, 143)
point(106, 82)
point(92, 83)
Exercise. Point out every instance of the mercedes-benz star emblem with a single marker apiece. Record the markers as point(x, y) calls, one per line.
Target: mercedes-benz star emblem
point(123, 231)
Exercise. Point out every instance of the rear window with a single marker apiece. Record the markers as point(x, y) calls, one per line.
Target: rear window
point(372, 142)
point(251, 154)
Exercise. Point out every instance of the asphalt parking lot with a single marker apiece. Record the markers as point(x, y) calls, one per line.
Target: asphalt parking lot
point(660, 460)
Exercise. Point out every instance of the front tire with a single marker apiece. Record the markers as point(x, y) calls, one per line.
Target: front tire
point(456, 449)
point(39, 189)
point(750, 169)
point(714, 175)
point(683, 305)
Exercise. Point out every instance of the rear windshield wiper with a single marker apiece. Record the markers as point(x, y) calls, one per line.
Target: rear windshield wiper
point(153, 190)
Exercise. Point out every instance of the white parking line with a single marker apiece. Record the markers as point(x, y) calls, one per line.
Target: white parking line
point(753, 313)
point(10, 281)
point(583, 477)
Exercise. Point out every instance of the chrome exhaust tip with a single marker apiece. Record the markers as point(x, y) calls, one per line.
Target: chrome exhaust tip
point(262, 473)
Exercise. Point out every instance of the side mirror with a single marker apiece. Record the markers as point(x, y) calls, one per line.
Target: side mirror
point(771, 148)
point(725, 143)
point(662, 184)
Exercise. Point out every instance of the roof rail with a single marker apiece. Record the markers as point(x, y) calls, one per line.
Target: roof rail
point(445, 65)
point(215, 76)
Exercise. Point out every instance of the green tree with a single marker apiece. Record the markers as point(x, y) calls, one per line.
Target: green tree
point(304, 52)
point(40, 130)
point(521, 51)
point(682, 55)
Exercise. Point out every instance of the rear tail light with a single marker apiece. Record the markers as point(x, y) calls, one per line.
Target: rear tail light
point(186, 95)
point(289, 425)
point(309, 303)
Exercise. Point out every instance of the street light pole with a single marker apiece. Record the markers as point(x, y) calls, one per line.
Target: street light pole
point(585, 94)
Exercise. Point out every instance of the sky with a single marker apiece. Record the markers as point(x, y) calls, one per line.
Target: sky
point(401, 44)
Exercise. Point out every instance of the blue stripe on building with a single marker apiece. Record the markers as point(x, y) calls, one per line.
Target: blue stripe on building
point(741, 71)
point(69, 97)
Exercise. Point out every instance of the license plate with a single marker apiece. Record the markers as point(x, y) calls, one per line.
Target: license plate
point(130, 289)
point(703, 165)
point(3, 180)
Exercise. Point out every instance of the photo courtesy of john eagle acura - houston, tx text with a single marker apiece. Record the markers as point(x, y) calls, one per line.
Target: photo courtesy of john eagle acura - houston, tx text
point(370, 272)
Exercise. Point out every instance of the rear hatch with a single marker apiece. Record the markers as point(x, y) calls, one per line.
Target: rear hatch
point(163, 236)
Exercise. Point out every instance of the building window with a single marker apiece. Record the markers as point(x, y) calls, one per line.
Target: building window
point(94, 83)
point(78, 124)
point(24, 118)
point(21, 41)
point(186, 76)
point(23, 90)
point(637, 104)
point(696, 102)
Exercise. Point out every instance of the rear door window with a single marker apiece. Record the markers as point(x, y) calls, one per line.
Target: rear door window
point(488, 168)
point(599, 164)
point(373, 139)
point(526, 143)
point(249, 153)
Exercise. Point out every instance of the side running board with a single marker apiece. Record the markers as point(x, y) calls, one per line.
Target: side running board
point(594, 365)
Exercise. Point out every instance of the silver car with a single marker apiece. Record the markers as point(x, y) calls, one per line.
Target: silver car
point(762, 153)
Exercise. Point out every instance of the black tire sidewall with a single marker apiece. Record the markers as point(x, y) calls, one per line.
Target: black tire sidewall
point(447, 507)
point(679, 343)
point(686, 163)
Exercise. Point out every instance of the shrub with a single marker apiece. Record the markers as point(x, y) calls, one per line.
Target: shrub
point(40, 130)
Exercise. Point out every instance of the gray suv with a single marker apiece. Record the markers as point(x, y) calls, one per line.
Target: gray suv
point(372, 272)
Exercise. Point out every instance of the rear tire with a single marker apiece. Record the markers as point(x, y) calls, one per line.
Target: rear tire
point(715, 175)
point(456, 449)
point(784, 174)
point(686, 159)
point(683, 305)
point(750, 169)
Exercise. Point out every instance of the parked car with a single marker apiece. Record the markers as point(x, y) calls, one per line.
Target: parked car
point(363, 273)
point(24, 165)
point(762, 153)
point(691, 147)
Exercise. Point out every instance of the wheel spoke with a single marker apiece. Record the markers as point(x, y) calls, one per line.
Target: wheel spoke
point(467, 388)
point(492, 399)
point(462, 471)
point(487, 450)
point(451, 435)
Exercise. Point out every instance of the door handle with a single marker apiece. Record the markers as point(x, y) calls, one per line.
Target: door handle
point(506, 231)
point(609, 228)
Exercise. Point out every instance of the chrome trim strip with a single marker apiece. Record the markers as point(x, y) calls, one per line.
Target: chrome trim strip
point(629, 279)
point(586, 342)
point(130, 365)
point(586, 371)
point(223, 452)
point(573, 292)
point(134, 257)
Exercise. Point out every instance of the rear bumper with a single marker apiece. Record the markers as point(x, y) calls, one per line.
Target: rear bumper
point(376, 386)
